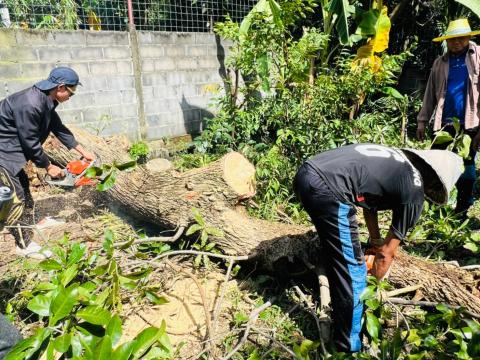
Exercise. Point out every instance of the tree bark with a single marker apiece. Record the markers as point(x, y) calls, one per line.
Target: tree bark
point(217, 190)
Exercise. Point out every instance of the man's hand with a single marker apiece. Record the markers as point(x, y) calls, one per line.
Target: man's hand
point(55, 172)
point(87, 155)
point(384, 256)
point(421, 131)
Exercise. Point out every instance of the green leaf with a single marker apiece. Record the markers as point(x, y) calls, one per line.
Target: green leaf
point(62, 343)
point(50, 264)
point(193, 229)
point(93, 172)
point(26, 348)
point(108, 182)
point(107, 244)
point(198, 217)
point(442, 137)
point(94, 314)
point(124, 351)
point(154, 298)
point(126, 166)
point(463, 145)
point(103, 350)
point(76, 254)
point(44, 286)
point(472, 247)
point(63, 304)
point(214, 231)
point(40, 305)
point(342, 9)
point(373, 325)
point(114, 329)
point(393, 92)
point(254, 355)
point(473, 5)
point(145, 340)
point(68, 275)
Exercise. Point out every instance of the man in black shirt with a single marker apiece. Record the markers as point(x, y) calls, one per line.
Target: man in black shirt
point(26, 119)
point(331, 184)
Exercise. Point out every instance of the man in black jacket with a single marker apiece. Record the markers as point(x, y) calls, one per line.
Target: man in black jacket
point(26, 119)
point(330, 185)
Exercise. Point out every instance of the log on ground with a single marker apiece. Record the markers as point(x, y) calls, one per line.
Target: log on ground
point(217, 189)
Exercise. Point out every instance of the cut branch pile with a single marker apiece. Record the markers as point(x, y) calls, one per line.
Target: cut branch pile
point(166, 199)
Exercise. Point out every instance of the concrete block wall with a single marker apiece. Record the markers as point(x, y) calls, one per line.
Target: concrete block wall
point(106, 103)
point(177, 74)
point(179, 70)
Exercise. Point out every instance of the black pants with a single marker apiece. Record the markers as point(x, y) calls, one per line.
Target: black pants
point(9, 336)
point(467, 180)
point(337, 229)
point(21, 212)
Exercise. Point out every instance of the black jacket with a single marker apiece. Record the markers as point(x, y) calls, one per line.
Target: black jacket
point(26, 119)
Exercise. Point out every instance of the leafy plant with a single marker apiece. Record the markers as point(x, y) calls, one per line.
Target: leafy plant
point(139, 150)
point(77, 307)
point(204, 232)
point(106, 174)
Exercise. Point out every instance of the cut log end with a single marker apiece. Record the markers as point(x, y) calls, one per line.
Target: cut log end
point(239, 174)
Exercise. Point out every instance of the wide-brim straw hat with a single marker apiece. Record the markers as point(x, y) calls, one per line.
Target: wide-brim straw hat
point(457, 28)
point(440, 170)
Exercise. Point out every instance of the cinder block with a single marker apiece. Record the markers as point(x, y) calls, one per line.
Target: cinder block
point(196, 77)
point(8, 38)
point(148, 65)
point(15, 85)
point(94, 83)
point(86, 53)
point(53, 54)
point(208, 63)
point(165, 64)
point(97, 115)
point(129, 96)
point(124, 126)
point(163, 37)
point(187, 63)
point(18, 54)
point(197, 50)
point(175, 50)
point(120, 82)
point(117, 52)
point(154, 79)
point(165, 92)
point(144, 37)
point(69, 38)
point(151, 51)
point(70, 116)
point(124, 111)
point(206, 39)
point(108, 97)
point(185, 38)
point(148, 93)
point(35, 70)
point(10, 70)
point(35, 37)
point(107, 38)
point(125, 67)
point(103, 68)
point(82, 100)
point(80, 67)
point(175, 78)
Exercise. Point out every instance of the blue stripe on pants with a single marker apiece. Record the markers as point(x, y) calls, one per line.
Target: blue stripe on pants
point(358, 274)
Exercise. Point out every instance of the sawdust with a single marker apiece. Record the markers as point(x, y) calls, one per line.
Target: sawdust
point(184, 314)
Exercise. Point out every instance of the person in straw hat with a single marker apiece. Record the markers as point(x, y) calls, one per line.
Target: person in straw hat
point(331, 184)
point(453, 92)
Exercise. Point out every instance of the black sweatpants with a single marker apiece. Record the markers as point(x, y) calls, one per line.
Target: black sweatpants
point(9, 336)
point(337, 229)
point(21, 212)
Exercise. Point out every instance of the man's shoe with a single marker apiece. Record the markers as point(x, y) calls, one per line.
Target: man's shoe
point(33, 251)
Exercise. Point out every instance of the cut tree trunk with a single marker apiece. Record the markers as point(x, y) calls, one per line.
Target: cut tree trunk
point(217, 189)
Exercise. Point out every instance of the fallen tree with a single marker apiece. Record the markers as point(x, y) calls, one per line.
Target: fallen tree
point(217, 190)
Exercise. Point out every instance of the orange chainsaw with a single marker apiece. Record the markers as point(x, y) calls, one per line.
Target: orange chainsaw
point(75, 172)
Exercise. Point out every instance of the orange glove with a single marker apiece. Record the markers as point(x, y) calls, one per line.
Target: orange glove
point(370, 258)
